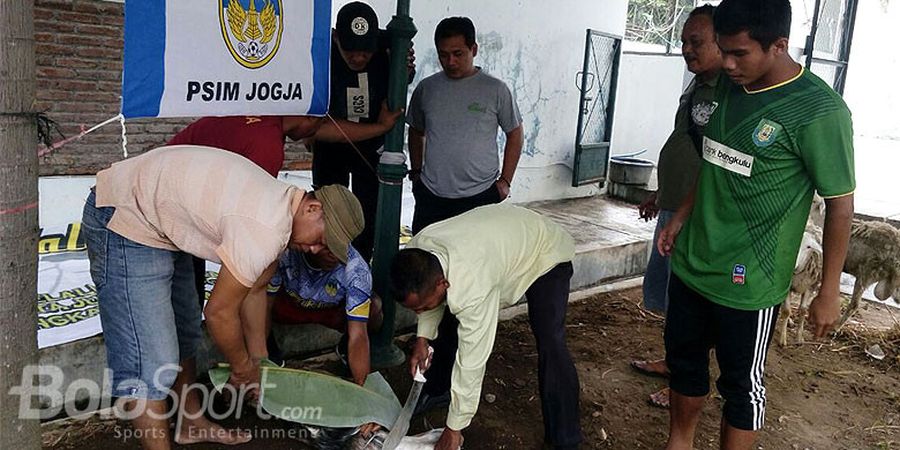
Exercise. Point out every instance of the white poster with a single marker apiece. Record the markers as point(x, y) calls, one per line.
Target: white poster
point(226, 57)
point(67, 298)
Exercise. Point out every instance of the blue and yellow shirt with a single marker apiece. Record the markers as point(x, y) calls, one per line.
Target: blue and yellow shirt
point(312, 288)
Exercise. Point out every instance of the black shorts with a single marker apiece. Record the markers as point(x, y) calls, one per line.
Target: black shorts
point(741, 338)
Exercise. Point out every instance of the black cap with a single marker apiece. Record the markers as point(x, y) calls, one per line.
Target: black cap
point(357, 27)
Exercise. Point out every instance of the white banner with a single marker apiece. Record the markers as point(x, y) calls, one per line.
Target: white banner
point(226, 57)
point(67, 299)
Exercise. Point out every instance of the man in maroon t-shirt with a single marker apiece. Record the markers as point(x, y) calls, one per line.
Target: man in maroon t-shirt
point(261, 138)
point(257, 138)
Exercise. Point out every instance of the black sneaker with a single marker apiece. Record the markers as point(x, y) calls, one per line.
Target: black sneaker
point(428, 402)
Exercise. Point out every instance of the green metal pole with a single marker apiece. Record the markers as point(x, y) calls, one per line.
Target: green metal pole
point(390, 192)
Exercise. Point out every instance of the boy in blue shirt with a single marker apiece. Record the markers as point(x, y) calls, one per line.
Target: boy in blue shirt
point(310, 288)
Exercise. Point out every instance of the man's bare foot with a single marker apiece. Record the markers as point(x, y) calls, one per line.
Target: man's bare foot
point(657, 368)
point(202, 430)
point(660, 398)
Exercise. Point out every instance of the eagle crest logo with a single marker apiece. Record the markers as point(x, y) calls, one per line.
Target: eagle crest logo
point(331, 288)
point(252, 30)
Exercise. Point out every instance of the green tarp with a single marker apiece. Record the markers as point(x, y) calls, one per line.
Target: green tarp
point(320, 400)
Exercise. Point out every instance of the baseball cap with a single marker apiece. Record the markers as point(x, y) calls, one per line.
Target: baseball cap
point(357, 27)
point(343, 218)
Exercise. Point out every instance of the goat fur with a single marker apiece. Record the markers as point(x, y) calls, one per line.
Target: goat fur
point(873, 256)
point(805, 281)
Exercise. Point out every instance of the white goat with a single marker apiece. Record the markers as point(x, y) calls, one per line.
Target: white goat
point(805, 281)
point(873, 256)
point(817, 212)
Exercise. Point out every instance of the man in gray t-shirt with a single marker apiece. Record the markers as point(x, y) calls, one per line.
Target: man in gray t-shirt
point(457, 112)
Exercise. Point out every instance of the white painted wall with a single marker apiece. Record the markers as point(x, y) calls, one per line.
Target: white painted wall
point(537, 47)
point(871, 91)
point(61, 199)
point(649, 88)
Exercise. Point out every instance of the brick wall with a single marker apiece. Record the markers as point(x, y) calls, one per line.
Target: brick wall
point(78, 52)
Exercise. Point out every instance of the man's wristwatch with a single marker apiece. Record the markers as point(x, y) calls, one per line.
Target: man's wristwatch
point(508, 184)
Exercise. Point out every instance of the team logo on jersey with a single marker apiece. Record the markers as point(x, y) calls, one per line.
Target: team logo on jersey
point(331, 288)
point(701, 112)
point(739, 274)
point(765, 133)
point(251, 30)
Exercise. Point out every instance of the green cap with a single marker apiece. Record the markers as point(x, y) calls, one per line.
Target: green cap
point(343, 218)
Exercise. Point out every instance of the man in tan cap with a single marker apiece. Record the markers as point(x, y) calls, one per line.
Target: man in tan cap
point(332, 288)
point(143, 220)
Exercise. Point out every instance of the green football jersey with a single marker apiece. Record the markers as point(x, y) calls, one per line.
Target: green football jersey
point(764, 153)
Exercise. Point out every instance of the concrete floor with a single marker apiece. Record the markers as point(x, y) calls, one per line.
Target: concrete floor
point(610, 240)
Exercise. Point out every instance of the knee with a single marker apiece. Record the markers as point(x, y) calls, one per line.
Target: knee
point(744, 410)
point(738, 392)
point(165, 376)
point(153, 381)
point(689, 378)
point(552, 344)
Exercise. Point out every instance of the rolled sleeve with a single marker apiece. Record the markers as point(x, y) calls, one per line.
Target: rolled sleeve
point(357, 280)
point(429, 321)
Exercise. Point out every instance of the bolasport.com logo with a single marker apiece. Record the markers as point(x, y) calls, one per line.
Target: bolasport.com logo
point(43, 394)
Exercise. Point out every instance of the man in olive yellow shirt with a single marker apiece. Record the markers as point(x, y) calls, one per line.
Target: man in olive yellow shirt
point(514, 252)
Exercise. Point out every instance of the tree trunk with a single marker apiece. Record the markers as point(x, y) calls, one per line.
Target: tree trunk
point(18, 219)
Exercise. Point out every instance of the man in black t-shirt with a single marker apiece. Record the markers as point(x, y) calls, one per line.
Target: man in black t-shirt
point(360, 69)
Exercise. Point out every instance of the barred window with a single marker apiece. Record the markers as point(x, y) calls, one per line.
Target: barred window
point(654, 26)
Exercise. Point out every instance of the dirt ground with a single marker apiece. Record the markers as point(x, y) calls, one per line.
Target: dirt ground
point(826, 395)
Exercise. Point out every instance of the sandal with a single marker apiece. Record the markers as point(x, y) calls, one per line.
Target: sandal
point(660, 398)
point(643, 367)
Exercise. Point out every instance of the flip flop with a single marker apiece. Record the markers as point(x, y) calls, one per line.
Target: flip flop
point(642, 367)
point(660, 398)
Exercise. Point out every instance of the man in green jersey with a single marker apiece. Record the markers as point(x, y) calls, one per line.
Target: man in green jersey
point(779, 134)
point(679, 164)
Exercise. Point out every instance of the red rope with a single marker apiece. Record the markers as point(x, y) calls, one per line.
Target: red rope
point(18, 209)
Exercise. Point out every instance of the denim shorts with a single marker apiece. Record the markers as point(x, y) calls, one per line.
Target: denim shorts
point(149, 308)
point(656, 277)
